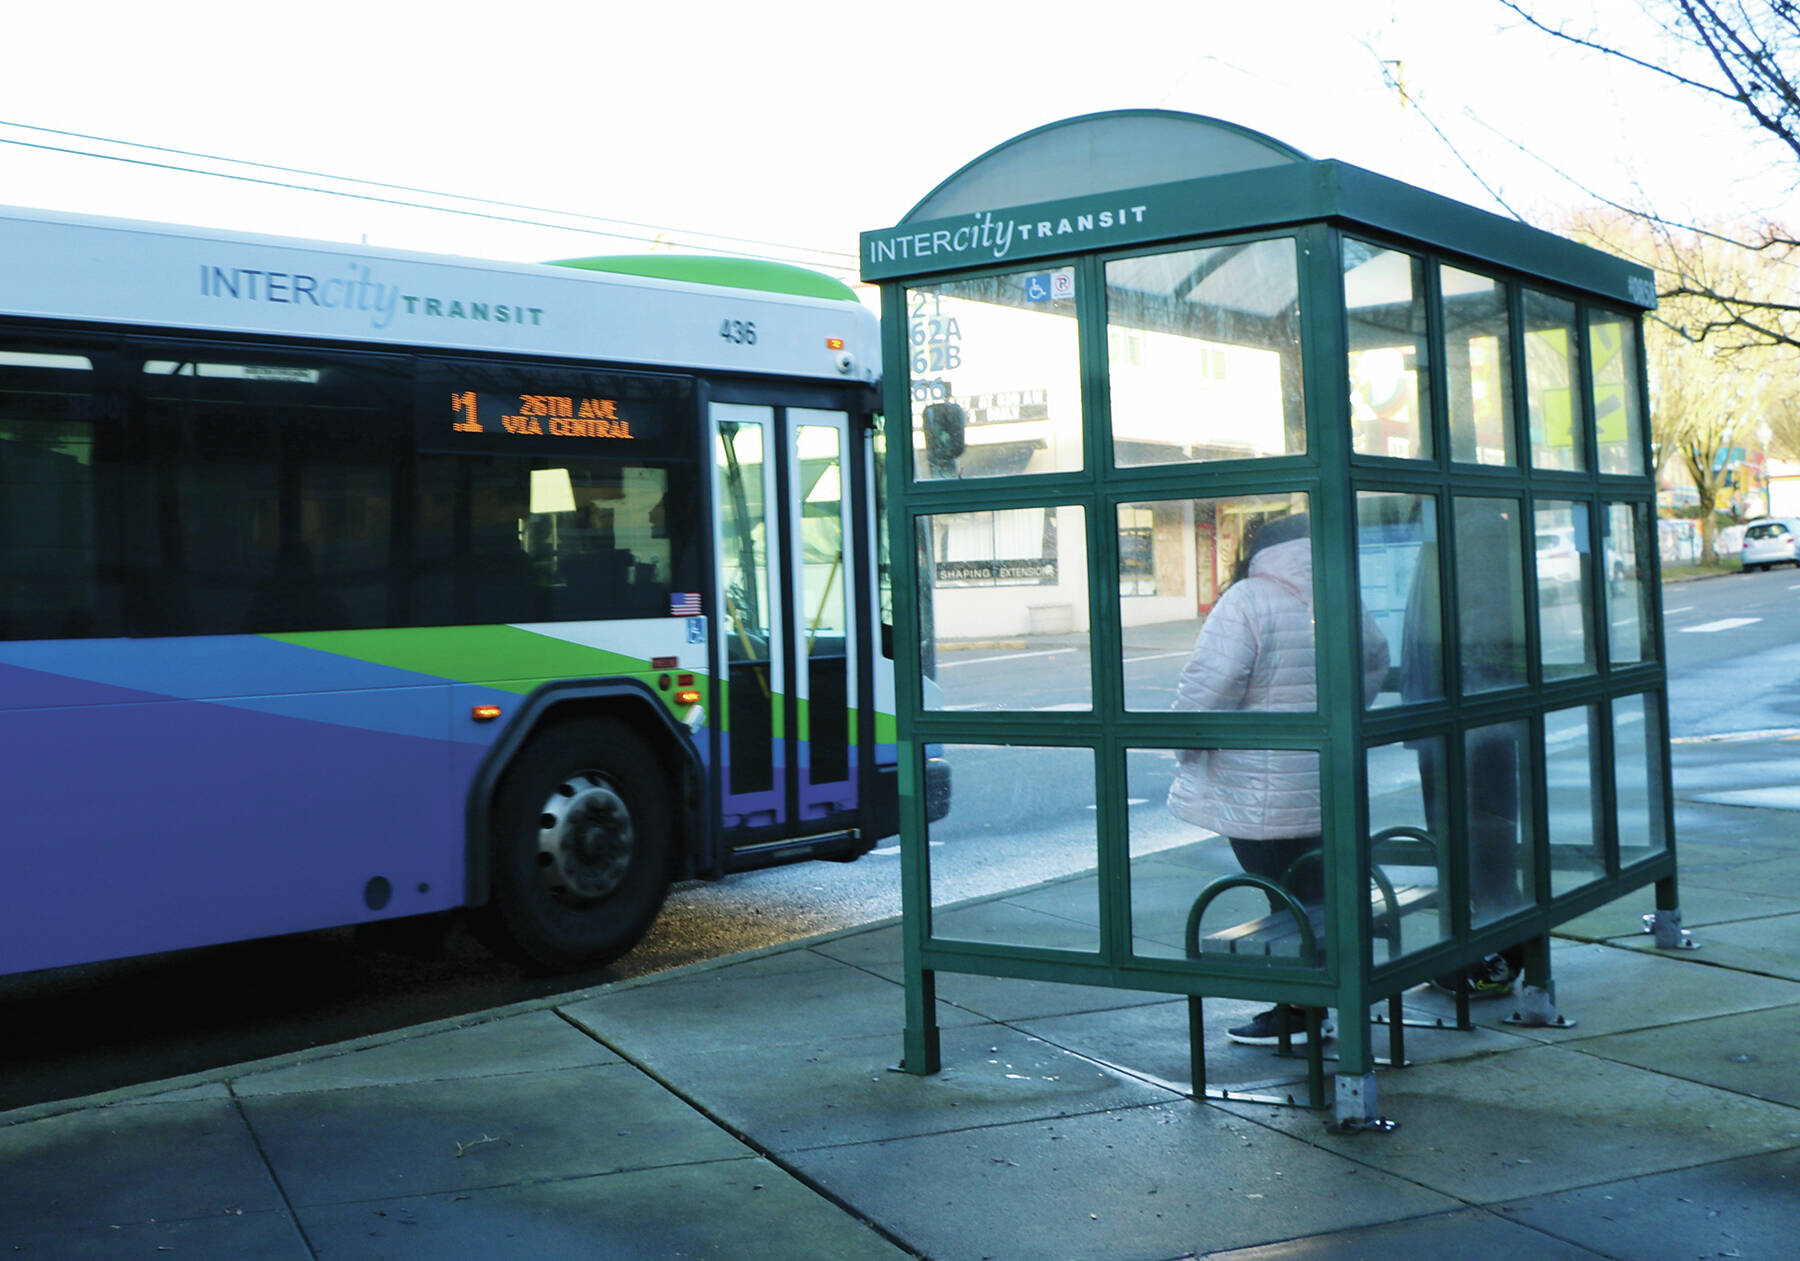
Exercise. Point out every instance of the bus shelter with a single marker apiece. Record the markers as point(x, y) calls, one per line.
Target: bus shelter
point(1274, 573)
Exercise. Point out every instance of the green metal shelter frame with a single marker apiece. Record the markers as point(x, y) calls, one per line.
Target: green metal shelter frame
point(1108, 393)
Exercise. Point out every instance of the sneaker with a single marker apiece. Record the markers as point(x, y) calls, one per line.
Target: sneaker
point(1492, 977)
point(1264, 1028)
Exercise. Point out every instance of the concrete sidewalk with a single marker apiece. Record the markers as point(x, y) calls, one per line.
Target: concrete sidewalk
point(747, 1108)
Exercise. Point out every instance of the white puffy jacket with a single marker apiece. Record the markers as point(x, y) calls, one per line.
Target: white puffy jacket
point(1255, 652)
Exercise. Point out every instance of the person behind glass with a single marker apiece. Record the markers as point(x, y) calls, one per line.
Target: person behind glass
point(1255, 652)
point(1491, 657)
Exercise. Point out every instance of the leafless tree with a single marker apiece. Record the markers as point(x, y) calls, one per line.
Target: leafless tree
point(1732, 284)
point(1711, 395)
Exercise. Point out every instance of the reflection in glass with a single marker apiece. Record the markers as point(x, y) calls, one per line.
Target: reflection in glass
point(1179, 561)
point(824, 603)
point(1499, 820)
point(1553, 403)
point(1627, 544)
point(1204, 354)
point(1397, 576)
point(744, 478)
point(1015, 861)
point(996, 378)
point(1478, 363)
point(1384, 300)
point(1572, 798)
point(1565, 605)
point(1490, 594)
point(1638, 744)
point(1207, 813)
point(1618, 419)
point(1003, 609)
point(1408, 847)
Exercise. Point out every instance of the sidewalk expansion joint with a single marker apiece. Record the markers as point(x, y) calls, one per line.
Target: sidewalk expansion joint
point(796, 1174)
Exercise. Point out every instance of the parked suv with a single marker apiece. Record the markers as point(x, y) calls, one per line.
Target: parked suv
point(1770, 541)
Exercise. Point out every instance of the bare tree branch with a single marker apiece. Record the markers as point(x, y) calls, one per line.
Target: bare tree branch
point(1533, 20)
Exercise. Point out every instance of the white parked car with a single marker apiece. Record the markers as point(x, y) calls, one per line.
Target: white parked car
point(1771, 541)
point(1558, 563)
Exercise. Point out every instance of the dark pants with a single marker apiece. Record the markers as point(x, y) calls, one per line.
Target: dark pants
point(1272, 858)
point(1493, 792)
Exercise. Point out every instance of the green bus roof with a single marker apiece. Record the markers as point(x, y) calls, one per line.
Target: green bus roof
point(738, 273)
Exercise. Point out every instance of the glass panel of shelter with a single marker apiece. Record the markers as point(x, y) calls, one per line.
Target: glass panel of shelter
point(1478, 344)
point(1003, 608)
point(1626, 544)
point(1019, 809)
point(1203, 351)
point(1398, 575)
point(1385, 310)
point(1178, 560)
point(1574, 803)
point(1553, 394)
point(996, 376)
point(1202, 812)
point(1565, 593)
point(1618, 408)
point(1189, 826)
point(1639, 742)
point(1204, 365)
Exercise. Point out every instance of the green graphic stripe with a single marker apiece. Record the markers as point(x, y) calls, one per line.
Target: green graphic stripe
point(511, 659)
point(502, 657)
point(738, 273)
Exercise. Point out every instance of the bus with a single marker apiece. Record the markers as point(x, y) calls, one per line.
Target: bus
point(341, 584)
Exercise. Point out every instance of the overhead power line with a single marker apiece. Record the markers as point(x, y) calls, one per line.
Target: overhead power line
point(824, 260)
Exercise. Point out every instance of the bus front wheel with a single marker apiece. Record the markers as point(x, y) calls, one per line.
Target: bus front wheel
point(581, 845)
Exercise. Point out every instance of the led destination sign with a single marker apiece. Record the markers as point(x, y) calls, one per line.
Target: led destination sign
point(538, 415)
point(521, 409)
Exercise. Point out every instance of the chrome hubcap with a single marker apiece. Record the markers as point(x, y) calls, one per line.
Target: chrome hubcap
point(585, 839)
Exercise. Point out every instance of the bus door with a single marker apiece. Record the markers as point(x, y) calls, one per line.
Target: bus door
point(785, 625)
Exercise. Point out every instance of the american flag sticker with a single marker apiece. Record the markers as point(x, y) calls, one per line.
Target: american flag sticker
point(684, 604)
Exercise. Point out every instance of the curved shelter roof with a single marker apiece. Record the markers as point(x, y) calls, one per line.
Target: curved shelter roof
point(1137, 177)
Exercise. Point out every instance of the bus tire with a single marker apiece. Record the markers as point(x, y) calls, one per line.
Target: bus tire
point(581, 845)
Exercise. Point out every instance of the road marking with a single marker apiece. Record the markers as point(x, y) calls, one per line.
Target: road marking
point(1726, 623)
point(1767, 733)
point(1686, 608)
point(888, 851)
point(1130, 801)
point(1011, 656)
point(1161, 656)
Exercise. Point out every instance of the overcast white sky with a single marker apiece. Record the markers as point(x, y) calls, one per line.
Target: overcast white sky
point(794, 123)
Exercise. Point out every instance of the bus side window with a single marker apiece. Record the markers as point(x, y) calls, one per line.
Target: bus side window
point(271, 479)
point(59, 448)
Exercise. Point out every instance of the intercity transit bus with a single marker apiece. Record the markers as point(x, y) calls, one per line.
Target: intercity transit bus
point(341, 584)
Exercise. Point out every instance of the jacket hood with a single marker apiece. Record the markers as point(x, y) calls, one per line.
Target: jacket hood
point(1288, 564)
